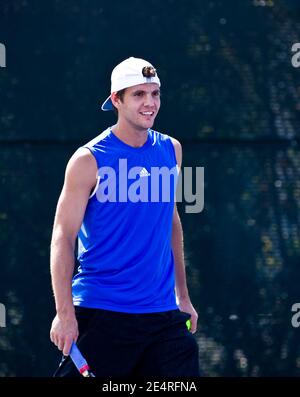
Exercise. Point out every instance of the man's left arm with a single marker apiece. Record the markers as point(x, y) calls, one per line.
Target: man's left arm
point(182, 293)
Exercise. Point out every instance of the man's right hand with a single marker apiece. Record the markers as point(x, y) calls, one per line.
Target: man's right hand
point(64, 331)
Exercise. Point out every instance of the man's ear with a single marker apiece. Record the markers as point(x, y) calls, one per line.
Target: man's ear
point(115, 99)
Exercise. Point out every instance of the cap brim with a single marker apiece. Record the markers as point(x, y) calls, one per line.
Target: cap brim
point(107, 104)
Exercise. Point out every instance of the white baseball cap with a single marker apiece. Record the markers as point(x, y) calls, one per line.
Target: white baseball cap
point(132, 71)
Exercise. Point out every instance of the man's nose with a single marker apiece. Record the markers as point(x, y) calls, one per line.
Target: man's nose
point(149, 101)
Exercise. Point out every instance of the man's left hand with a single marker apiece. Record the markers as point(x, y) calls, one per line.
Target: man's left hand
point(185, 305)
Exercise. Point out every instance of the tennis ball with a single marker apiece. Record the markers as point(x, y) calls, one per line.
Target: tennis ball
point(188, 324)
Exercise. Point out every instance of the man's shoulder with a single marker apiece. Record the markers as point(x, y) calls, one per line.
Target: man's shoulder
point(82, 159)
point(176, 143)
point(81, 169)
point(165, 136)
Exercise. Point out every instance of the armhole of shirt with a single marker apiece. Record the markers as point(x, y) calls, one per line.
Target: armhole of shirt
point(174, 152)
point(95, 188)
point(175, 158)
point(98, 177)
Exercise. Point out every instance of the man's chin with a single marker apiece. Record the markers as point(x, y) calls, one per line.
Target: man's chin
point(149, 124)
point(146, 124)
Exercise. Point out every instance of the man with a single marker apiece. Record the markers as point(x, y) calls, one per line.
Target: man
point(128, 305)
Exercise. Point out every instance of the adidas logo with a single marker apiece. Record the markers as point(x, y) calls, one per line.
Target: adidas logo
point(144, 172)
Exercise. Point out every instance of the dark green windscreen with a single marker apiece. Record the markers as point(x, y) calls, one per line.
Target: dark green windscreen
point(230, 95)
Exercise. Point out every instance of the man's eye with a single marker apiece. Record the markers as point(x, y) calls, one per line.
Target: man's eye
point(157, 93)
point(138, 94)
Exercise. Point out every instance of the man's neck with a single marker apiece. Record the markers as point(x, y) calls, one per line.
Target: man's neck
point(130, 136)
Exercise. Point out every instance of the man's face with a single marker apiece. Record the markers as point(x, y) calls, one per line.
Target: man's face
point(140, 105)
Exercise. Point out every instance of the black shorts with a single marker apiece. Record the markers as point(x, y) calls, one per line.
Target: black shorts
point(119, 344)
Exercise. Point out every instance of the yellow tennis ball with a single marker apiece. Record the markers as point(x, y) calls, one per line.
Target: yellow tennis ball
point(188, 324)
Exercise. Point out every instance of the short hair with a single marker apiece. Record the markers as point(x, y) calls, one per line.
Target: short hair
point(119, 94)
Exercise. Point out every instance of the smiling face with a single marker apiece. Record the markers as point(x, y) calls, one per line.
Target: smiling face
point(139, 106)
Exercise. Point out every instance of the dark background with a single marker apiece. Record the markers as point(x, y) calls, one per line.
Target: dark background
point(229, 94)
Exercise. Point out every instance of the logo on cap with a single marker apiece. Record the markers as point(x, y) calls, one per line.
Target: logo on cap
point(149, 71)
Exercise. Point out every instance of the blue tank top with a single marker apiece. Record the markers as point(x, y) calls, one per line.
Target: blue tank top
point(125, 258)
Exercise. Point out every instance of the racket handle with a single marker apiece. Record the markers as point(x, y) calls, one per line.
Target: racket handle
point(80, 361)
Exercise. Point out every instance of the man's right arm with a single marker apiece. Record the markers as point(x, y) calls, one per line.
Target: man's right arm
point(80, 178)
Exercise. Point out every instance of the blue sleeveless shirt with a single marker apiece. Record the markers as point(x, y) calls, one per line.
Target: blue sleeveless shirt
point(126, 263)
